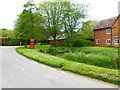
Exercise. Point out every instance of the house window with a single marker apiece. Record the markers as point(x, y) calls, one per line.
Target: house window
point(108, 31)
point(108, 41)
point(116, 41)
point(97, 41)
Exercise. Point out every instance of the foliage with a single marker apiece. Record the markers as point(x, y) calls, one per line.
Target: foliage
point(78, 40)
point(6, 33)
point(73, 18)
point(93, 59)
point(102, 57)
point(12, 41)
point(52, 12)
point(109, 75)
point(28, 24)
point(62, 16)
point(87, 29)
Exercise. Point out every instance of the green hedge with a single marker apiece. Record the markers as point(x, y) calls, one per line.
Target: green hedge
point(108, 75)
point(12, 42)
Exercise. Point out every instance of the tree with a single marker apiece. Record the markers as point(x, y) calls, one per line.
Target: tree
point(28, 24)
point(52, 13)
point(73, 18)
point(62, 16)
point(87, 29)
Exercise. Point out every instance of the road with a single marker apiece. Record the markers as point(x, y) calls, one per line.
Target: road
point(20, 72)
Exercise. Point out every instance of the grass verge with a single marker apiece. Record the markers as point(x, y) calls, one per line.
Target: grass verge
point(108, 75)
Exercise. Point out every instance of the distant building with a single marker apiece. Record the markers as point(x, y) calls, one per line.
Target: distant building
point(60, 40)
point(107, 32)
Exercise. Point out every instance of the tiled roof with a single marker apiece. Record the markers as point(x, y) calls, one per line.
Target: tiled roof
point(105, 23)
point(58, 37)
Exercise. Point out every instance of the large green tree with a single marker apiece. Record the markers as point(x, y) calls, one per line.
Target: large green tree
point(52, 12)
point(62, 16)
point(73, 17)
point(28, 25)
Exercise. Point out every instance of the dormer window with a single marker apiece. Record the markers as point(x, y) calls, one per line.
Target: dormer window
point(108, 31)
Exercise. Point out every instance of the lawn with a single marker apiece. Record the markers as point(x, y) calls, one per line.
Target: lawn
point(95, 62)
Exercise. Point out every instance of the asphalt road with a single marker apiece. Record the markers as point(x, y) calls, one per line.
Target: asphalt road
point(20, 72)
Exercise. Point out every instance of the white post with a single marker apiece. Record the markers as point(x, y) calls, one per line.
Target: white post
point(20, 43)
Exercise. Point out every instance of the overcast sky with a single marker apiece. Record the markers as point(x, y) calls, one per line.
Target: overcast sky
point(99, 10)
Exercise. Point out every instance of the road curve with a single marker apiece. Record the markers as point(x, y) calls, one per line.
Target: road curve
point(20, 72)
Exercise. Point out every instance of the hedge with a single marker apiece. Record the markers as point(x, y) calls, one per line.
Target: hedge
point(108, 75)
point(13, 42)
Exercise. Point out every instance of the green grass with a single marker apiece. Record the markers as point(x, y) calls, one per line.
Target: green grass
point(108, 75)
point(106, 57)
point(99, 58)
point(40, 57)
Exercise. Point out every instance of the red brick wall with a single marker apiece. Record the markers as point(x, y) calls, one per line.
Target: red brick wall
point(102, 36)
point(58, 42)
point(115, 31)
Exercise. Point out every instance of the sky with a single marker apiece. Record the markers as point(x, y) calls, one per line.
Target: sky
point(98, 10)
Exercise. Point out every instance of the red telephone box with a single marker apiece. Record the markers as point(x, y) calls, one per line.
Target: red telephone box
point(32, 43)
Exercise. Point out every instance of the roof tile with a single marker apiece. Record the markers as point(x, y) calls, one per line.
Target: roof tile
point(105, 23)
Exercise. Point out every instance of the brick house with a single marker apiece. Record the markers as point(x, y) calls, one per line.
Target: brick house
point(107, 32)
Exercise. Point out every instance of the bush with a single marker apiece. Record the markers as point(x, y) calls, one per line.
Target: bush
point(72, 42)
point(82, 43)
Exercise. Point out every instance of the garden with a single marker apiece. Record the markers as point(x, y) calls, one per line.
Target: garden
point(96, 62)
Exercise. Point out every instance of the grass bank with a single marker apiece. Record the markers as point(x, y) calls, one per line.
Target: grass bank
point(108, 75)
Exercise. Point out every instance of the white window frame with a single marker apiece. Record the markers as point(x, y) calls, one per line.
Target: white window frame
point(107, 41)
point(115, 42)
point(107, 31)
point(97, 41)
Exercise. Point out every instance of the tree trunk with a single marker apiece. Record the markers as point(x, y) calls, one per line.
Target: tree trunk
point(41, 43)
point(25, 44)
point(54, 44)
